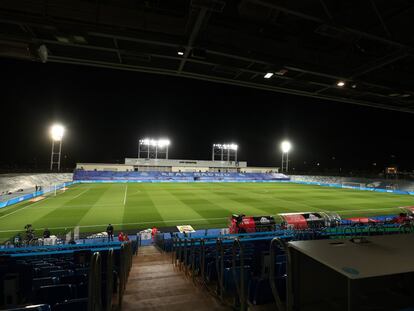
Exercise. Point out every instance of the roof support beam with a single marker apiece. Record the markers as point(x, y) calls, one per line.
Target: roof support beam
point(315, 19)
point(227, 81)
point(193, 36)
point(327, 11)
point(379, 63)
point(377, 12)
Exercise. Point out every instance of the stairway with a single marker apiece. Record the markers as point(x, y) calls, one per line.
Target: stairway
point(154, 284)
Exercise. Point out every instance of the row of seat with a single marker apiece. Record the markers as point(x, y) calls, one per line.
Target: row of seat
point(81, 280)
point(251, 268)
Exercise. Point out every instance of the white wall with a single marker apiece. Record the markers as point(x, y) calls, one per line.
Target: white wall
point(104, 167)
point(260, 169)
point(182, 163)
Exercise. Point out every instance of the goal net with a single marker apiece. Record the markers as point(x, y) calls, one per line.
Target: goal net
point(353, 185)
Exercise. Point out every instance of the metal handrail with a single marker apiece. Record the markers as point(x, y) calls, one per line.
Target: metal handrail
point(239, 287)
point(220, 268)
point(202, 258)
point(179, 252)
point(184, 260)
point(281, 306)
point(192, 259)
point(109, 279)
point(94, 286)
point(173, 251)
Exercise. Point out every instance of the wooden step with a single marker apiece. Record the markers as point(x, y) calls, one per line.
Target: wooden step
point(154, 284)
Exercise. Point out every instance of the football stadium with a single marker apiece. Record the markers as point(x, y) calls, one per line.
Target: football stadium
point(193, 155)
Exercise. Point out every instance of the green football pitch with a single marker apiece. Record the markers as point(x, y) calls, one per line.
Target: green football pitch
point(203, 205)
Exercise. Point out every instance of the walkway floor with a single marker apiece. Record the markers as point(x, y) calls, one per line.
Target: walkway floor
point(154, 284)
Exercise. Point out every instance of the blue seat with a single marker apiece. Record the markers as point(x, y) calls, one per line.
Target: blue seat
point(53, 294)
point(38, 282)
point(61, 273)
point(73, 304)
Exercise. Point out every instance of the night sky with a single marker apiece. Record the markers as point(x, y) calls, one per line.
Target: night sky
point(106, 111)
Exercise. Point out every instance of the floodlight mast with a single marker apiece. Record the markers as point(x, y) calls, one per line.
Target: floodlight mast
point(152, 148)
point(56, 133)
point(226, 152)
point(285, 146)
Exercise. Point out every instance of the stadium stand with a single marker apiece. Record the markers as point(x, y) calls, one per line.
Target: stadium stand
point(67, 277)
point(82, 175)
point(248, 269)
point(13, 182)
point(386, 184)
point(15, 185)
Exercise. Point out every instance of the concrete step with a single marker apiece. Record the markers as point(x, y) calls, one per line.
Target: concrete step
point(154, 284)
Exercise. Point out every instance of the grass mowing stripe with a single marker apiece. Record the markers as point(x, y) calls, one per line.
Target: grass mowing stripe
point(98, 214)
point(170, 207)
point(203, 205)
point(140, 208)
point(125, 195)
point(61, 213)
point(30, 204)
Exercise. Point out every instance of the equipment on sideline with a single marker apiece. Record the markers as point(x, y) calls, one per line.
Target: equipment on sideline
point(310, 220)
point(249, 224)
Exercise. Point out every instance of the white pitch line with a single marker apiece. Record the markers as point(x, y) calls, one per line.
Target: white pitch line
point(125, 195)
point(77, 196)
point(30, 205)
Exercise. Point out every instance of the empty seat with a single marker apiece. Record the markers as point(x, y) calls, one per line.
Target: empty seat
point(61, 273)
point(38, 282)
point(53, 294)
point(73, 304)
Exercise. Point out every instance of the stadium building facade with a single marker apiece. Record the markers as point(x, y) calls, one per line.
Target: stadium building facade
point(176, 165)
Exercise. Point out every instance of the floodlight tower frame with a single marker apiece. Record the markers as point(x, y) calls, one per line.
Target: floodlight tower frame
point(56, 132)
point(224, 152)
point(285, 146)
point(153, 149)
point(55, 155)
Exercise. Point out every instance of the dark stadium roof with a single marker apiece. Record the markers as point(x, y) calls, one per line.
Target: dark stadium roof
point(308, 45)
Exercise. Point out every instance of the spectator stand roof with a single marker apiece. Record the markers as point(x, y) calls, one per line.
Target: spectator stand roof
point(308, 45)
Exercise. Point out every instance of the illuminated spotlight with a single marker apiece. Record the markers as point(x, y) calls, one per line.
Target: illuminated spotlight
point(181, 51)
point(56, 132)
point(354, 86)
point(340, 83)
point(163, 143)
point(286, 146)
point(231, 146)
point(268, 75)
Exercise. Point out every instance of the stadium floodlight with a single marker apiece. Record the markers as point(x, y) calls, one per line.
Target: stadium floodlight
point(231, 152)
point(163, 143)
point(340, 83)
point(231, 146)
point(286, 146)
point(150, 147)
point(56, 133)
point(268, 75)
